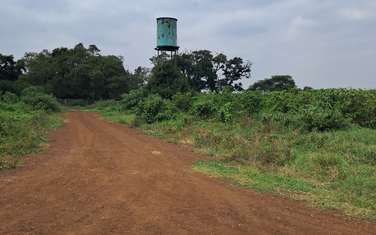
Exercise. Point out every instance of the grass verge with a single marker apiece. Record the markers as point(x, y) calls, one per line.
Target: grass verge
point(22, 132)
point(330, 169)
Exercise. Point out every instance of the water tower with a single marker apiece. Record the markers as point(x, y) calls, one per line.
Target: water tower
point(167, 38)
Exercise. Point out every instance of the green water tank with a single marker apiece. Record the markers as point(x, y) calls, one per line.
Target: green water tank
point(167, 34)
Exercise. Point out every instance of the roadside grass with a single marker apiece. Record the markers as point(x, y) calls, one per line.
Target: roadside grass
point(112, 113)
point(317, 194)
point(334, 170)
point(252, 177)
point(22, 131)
point(330, 169)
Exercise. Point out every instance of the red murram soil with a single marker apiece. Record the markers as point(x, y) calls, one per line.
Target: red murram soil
point(102, 178)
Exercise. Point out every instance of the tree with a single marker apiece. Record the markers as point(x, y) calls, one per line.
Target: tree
point(78, 73)
point(206, 71)
point(10, 69)
point(233, 71)
point(219, 64)
point(93, 49)
point(141, 76)
point(275, 83)
point(198, 68)
point(167, 79)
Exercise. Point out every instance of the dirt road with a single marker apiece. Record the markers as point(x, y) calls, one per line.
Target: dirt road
point(103, 178)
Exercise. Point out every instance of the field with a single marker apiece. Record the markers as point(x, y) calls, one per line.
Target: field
point(317, 146)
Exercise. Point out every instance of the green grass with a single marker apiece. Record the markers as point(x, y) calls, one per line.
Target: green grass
point(22, 131)
point(111, 112)
point(331, 169)
point(345, 196)
point(252, 177)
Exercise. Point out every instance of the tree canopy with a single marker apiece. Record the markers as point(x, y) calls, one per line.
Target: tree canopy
point(206, 71)
point(9, 68)
point(275, 83)
point(84, 73)
point(79, 73)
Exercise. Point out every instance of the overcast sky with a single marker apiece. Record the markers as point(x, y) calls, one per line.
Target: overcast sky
point(321, 43)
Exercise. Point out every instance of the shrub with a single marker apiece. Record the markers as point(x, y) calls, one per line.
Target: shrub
point(225, 113)
point(323, 118)
point(30, 91)
point(284, 101)
point(204, 108)
point(9, 98)
point(9, 86)
point(359, 105)
point(41, 101)
point(183, 101)
point(250, 102)
point(131, 100)
point(155, 108)
point(278, 121)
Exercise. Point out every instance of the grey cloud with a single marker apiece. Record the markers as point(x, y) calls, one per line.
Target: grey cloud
point(322, 43)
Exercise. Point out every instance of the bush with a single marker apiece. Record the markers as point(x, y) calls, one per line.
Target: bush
point(40, 101)
point(250, 102)
point(131, 100)
point(322, 119)
point(280, 121)
point(359, 105)
point(9, 98)
point(168, 112)
point(225, 113)
point(30, 91)
point(204, 108)
point(155, 108)
point(183, 101)
point(9, 86)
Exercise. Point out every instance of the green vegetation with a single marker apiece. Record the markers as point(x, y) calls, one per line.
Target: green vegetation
point(313, 145)
point(316, 145)
point(275, 83)
point(76, 75)
point(24, 123)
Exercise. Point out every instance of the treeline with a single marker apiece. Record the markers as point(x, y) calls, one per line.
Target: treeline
point(77, 73)
point(83, 73)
